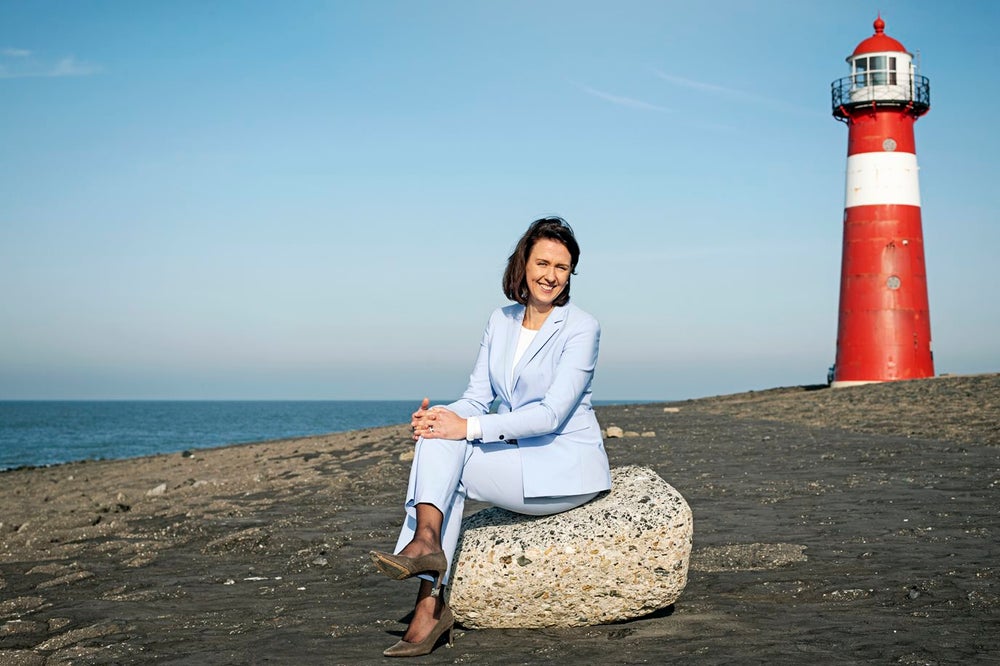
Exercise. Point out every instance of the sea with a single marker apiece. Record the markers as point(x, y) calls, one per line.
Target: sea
point(41, 433)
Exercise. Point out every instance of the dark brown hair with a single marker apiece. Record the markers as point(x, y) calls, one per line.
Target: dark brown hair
point(515, 287)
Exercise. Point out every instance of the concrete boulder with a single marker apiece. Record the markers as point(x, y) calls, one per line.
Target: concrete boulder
point(621, 556)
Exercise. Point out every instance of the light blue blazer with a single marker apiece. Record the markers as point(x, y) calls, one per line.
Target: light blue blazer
point(546, 408)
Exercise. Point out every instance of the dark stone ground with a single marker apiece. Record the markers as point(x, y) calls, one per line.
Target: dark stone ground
point(850, 526)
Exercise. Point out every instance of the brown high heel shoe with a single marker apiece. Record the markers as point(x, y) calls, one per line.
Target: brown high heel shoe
point(398, 567)
point(446, 623)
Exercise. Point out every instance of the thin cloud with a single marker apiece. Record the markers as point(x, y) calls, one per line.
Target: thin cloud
point(21, 65)
point(697, 85)
point(715, 89)
point(72, 67)
point(622, 101)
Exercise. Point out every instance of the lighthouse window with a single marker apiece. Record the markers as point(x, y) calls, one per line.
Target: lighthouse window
point(860, 69)
point(875, 71)
point(876, 64)
point(880, 73)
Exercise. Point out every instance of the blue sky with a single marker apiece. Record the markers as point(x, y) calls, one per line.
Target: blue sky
point(316, 199)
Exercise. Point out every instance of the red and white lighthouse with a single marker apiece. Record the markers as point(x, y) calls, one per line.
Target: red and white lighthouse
point(884, 332)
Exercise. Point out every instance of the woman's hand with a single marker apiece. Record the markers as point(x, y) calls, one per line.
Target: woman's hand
point(418, 419)
point(437, 423)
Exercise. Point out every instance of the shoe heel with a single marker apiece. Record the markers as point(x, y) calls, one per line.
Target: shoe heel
point(436, 590)
point(445, 624)
point(451, 636)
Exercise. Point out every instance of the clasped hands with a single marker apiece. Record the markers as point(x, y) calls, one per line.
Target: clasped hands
point(437, 423)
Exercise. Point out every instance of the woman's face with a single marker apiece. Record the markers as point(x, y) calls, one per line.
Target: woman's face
point(547, 272)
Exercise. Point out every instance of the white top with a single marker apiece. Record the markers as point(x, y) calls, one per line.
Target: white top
point(523, 342)
point(472, 429)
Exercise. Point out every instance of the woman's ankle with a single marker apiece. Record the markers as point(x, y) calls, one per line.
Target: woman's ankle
point(426, 540)
point(419, 547)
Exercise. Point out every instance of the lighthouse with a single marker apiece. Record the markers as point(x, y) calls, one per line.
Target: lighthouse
point(884, 330)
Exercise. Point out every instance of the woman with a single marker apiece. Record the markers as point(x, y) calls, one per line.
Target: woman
point(540, 453)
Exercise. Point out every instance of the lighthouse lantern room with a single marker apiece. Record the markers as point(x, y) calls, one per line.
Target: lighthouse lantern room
point(884, 325)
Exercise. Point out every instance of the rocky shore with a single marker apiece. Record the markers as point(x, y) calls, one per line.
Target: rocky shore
point(851, 526)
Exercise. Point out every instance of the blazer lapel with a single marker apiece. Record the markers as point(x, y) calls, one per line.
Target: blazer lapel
point(552, 324)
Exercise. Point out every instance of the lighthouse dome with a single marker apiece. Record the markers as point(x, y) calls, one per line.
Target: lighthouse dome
point(879, 42)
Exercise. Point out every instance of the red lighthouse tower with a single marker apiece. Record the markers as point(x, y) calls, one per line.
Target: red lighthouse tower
point(884, 332)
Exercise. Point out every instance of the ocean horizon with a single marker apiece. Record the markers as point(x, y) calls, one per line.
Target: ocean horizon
point(35, 433)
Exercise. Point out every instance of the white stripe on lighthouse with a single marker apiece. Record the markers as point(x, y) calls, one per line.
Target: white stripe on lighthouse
point(882, 178)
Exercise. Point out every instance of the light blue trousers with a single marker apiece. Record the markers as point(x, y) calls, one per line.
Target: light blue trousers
point(446, 472)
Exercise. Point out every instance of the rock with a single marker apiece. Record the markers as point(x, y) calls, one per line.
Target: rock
point(671, 410)
point(243, 541)
point(747, 557)
point(57, 623)
point(631, 433)
point(648, 433)
point(52, 569)
point(66, 579)
point(77, 635)
point(621, 556)
point(406, 456)
point(21, 627)
point(19, 606)
point(614, 431)
point(158, 490)
point(21, 658)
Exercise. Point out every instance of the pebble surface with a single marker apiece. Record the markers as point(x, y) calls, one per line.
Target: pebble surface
point(850, 525)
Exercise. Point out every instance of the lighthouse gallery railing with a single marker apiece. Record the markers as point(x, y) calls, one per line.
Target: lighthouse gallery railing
point(868, 88)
